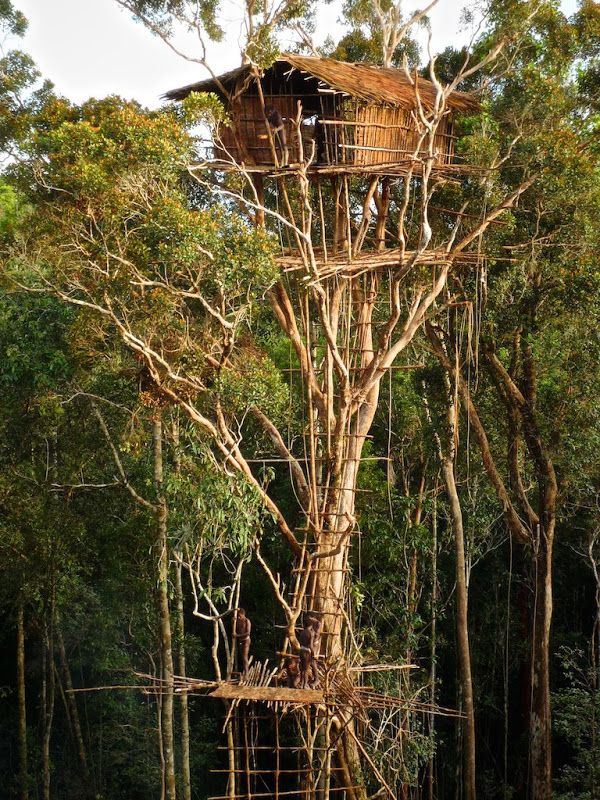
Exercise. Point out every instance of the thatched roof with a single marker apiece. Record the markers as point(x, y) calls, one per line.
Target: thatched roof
point(364, 81)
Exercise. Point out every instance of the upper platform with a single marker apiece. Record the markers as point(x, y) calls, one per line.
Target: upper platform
point(337, 116)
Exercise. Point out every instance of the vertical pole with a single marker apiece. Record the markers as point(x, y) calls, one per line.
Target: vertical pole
point(162, 556)
point(383, 206)
point(247, 757)
point(335, 194)
point(48, 694)
point(277, 753)
point(72, 704)
point(432, 691)
point(464, 653)
point(23, 778)
point(231, 753)
point(184, 706)
point(180, 621)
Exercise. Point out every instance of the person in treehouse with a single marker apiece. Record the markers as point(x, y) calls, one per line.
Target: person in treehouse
point(241, 634)
point(308, 666)
point(277, 126)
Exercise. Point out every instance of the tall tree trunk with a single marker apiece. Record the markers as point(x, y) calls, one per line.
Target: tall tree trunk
point(595, 662)
point(433, 643)
point(326, 593)
point(48, 665)
point(22, 725)
point(184, 708)
point(72, 705)
point(181, 663)
point(48, 695)
point(540, 730)
point(411, 605)
point(447, 456)
point(462, 631)
point(540, 717)
point(537, 534)
point(162, 558)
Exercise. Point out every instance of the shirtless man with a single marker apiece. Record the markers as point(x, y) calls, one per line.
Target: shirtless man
point(306, 639)
point(241, 633)
point(277, 125)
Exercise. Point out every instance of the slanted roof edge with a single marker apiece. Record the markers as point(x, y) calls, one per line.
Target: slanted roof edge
point(363, 81)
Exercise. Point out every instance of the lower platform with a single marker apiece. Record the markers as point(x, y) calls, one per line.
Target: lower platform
point(267, 694)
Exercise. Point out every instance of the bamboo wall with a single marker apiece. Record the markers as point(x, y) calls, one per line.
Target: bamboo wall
point(345, 133)
point(253, 134)
point(387, 135)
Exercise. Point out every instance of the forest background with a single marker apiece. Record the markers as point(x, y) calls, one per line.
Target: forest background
point(499, 387)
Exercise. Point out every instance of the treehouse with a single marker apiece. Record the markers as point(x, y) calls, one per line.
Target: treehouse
point(339, 116)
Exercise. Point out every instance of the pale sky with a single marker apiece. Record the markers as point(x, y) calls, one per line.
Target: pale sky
point(93, 48)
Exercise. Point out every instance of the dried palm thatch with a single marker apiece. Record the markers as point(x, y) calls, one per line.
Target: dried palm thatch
point(362, 81)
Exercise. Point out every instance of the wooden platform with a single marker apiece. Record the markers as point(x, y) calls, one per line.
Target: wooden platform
point(268, 694)
point(398, 168)
point(367, 261)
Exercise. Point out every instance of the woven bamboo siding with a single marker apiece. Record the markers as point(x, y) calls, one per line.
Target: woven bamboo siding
point(252, 131)
point(385, 135)
point(346, 132)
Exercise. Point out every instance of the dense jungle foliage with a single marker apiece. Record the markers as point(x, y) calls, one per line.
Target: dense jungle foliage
point(84, 583)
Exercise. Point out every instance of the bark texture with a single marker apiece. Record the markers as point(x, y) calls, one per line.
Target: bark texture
point(162, 559)
point(462, 633)
point(21, 700)
point(72, 706)
point(183, 700)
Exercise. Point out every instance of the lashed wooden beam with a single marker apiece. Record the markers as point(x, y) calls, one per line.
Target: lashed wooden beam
point(278, 694)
